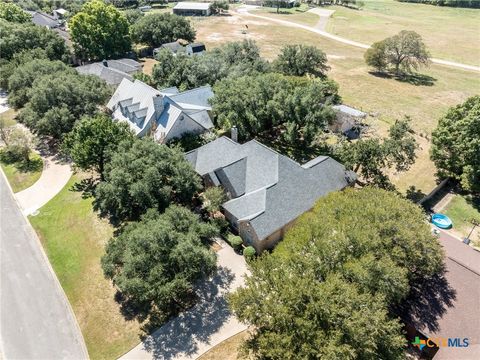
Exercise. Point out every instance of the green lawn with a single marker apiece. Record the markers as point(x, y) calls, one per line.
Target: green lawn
point(8, 117)
point(462, 209)
point(450, 33)
point(74, 239)
point(22, 175)
point(295, 14)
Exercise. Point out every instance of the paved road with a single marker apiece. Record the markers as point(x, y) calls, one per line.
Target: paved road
point(207, 324)
point(36, 320)
point(244, 10)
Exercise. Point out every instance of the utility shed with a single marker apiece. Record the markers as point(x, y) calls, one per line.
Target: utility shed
point(347, 121)
point(192, 9)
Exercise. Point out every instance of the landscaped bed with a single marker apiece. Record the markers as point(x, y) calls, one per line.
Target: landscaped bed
point(74, 237)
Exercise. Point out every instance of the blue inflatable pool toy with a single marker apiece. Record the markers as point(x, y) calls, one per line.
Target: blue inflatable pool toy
point(442, 221)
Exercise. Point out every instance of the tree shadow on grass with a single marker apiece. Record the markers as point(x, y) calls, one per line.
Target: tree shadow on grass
point(86, 187)
point(427, 302)
point(179, 335)
point(413, 79)
point(32, 165)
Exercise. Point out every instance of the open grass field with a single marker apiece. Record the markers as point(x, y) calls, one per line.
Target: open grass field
point(21, 175)
point(295, 14)
point(449, 33)
point(385, 99)
point(74, 239)
point(226, 350)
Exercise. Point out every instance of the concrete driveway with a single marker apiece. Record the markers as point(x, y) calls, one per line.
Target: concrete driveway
point(36, 321)
point(208, 323)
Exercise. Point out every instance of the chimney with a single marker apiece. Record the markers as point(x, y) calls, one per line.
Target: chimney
point(234, 133)
point(158, 105)
point(105, 63)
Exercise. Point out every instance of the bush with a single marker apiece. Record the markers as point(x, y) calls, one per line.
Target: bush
point(249, 253)
point(235, 241)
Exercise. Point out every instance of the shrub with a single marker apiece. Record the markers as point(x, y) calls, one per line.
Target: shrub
point(249, 253)
point(235, 241)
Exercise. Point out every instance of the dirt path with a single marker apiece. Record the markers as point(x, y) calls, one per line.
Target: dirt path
point(244, 10)
point(324, 15)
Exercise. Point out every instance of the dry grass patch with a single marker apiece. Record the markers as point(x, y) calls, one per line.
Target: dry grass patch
point(227, 350)
point(148, 64)
point(386, 99)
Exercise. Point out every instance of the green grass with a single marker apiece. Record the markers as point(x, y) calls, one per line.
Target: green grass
point(449, 33)
point(295, 14)
point(21, 175)
point(74, 238)
point(462, 209)
point(8, 117)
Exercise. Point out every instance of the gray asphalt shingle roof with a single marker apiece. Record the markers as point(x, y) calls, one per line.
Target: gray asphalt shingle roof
point(267, 188)
point(112, 71)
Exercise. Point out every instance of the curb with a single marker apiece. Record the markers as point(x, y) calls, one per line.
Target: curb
point(54, 275)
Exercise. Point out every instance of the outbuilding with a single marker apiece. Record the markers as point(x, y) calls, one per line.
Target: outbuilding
point(192, 9)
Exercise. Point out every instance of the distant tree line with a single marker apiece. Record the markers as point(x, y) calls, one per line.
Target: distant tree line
point(452, 3)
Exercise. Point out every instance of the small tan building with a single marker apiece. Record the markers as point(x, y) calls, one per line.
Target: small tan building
point(267, 191)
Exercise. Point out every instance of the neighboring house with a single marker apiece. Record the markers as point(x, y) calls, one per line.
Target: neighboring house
point(45, 20)
point(176, 48)
point(112, 71)
point(267, 191)
point(448, 307)
point(165, 114)
point(60, 13)
point(192, 8)
point(348, 121)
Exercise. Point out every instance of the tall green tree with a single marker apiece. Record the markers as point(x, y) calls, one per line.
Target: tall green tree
point(142, 176)
point(300, 60)
point(401, 53)
point(328, 288)
point(157, 29)
point(99, 31)
point(20, 82)
point(266, 103)
point(155, 262)
point(13, 13)
point(15, 38)
point(93, 141)
point(456, 144)
point(371, 158)
point(233, 59)
point(57, 101)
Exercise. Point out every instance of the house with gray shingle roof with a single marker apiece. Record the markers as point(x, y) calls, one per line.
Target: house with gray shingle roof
point(111, 71)
point(166, 114)
point(267, 191)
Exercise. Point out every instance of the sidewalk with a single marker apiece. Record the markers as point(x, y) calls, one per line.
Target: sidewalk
point(207, 324)
point(55, 176)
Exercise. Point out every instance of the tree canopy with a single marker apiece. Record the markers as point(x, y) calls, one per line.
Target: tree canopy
point(157, 29)
point(13, 13)
point(142, 176)
point(20, 82)
point(401, 53)
point(372, 157)
point(99, 31)
point(15, 38)
point(93, 141)
point(300, 60)
point(186, 72)
point(296, 107)
point(155, 262)
point(57, 101)
point(328, 288)
point(456, 144)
